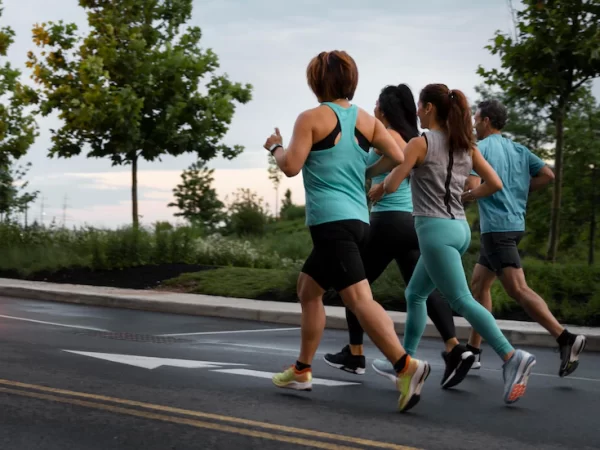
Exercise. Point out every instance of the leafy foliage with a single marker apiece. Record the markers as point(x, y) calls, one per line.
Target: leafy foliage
point(18, 129)
point(549, 63)
point(196, 199)
point(247, 214)
point(13, 197)
point(132, 88)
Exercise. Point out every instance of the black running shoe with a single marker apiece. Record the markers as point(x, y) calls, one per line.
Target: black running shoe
point(569, 354)
point(346, 361)
point(458, 364)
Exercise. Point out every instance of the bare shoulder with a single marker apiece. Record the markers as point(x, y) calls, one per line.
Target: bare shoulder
point(309, 117)
point(418, 143)
point(366, 123)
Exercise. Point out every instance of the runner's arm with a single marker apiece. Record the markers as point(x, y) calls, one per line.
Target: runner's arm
point(414, 153)
point(292, 159)
point(543, 177)
point(491, 181)
point(390, 148)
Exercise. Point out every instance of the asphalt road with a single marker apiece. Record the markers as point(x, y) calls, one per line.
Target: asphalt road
point(80, 377)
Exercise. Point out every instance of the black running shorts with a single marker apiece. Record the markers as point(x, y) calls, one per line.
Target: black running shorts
point(336, 259)
point(499, 250)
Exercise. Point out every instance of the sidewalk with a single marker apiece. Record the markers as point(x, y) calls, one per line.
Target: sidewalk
point(518, 333)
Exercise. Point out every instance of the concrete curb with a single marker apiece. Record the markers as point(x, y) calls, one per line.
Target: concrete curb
point(518, 333)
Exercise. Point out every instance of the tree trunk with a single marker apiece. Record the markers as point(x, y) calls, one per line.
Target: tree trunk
point(277, 202)
point(592, 240)
point(557, 195)
point(134, 196)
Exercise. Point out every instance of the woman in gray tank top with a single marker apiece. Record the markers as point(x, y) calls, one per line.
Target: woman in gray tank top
point(439, 163)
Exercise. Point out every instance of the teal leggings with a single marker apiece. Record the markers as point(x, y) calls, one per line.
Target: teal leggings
point(442, 243)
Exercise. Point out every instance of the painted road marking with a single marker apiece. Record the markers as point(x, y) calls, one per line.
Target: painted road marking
point(262, 330)
point(51, 323)
point(191, 413)
point(149, 362)
point(180, 421)
point(269, 375)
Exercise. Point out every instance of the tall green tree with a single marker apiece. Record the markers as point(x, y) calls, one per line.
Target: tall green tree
point(18, 129)
point(555, 53)
point(195, 197)
point(582, 173)
point(138, 86)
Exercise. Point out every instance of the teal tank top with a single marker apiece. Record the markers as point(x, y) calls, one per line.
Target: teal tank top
point(401, 200)
point(334, 179)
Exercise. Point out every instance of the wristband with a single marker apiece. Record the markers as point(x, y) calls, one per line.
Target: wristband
point(274, 147)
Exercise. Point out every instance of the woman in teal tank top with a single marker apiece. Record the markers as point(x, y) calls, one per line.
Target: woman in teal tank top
point(330, 145)
point(392, 236)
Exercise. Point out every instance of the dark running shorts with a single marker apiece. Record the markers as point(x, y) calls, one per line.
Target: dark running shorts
point(499, 250)
point(336, 259)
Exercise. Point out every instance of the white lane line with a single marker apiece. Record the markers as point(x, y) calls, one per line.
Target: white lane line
point(260, 374)
point(229, 332)
point(52, 323)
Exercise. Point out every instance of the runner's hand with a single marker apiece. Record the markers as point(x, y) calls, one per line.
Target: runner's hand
point(467, 196)
point(275, 138)
point(376, 192)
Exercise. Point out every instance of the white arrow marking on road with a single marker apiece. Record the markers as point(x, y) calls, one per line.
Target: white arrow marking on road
point(149, 362)
point(259, 374)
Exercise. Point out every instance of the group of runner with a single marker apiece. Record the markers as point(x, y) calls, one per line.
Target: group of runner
point(419, 184)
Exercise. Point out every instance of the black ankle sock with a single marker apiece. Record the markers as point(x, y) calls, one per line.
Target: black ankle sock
point(301, 366)
point(474, 350)
point(401, 363)
point(564, 338)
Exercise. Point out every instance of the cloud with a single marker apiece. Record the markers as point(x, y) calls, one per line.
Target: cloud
point(155, 192)
point(268, 43)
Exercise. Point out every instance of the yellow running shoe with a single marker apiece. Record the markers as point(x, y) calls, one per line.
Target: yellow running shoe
point(300, 380)
point(411, 382)
point(408, 383)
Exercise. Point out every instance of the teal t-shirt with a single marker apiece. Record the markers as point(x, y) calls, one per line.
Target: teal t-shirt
point(401, 200)
point(515, 164)
point(334, 179)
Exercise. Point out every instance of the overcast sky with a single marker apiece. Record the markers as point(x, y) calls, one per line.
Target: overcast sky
point(267, 43)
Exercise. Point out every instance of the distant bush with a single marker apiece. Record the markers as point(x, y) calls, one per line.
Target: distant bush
point(247, 215)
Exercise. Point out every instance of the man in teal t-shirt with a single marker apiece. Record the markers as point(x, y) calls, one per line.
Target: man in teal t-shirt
point(502, 223)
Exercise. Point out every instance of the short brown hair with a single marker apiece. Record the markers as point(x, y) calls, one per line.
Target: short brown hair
point(332, 75)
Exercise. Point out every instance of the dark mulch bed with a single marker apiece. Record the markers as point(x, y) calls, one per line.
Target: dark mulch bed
point(141, 277)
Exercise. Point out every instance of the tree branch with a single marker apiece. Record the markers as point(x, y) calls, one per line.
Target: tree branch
point(581, 83)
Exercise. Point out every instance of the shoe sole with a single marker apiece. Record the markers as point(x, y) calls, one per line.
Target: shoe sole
point(388, 375)
point(476, 365)
point(416, 397)
point(461, 371)
point(520, 384)
point(573, 362)
point(357, 371)
point(295, 385)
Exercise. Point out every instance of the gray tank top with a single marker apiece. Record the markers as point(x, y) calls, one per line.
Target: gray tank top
point(437, 184)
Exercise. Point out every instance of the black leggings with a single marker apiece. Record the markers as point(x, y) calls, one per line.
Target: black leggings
point(392, 236)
